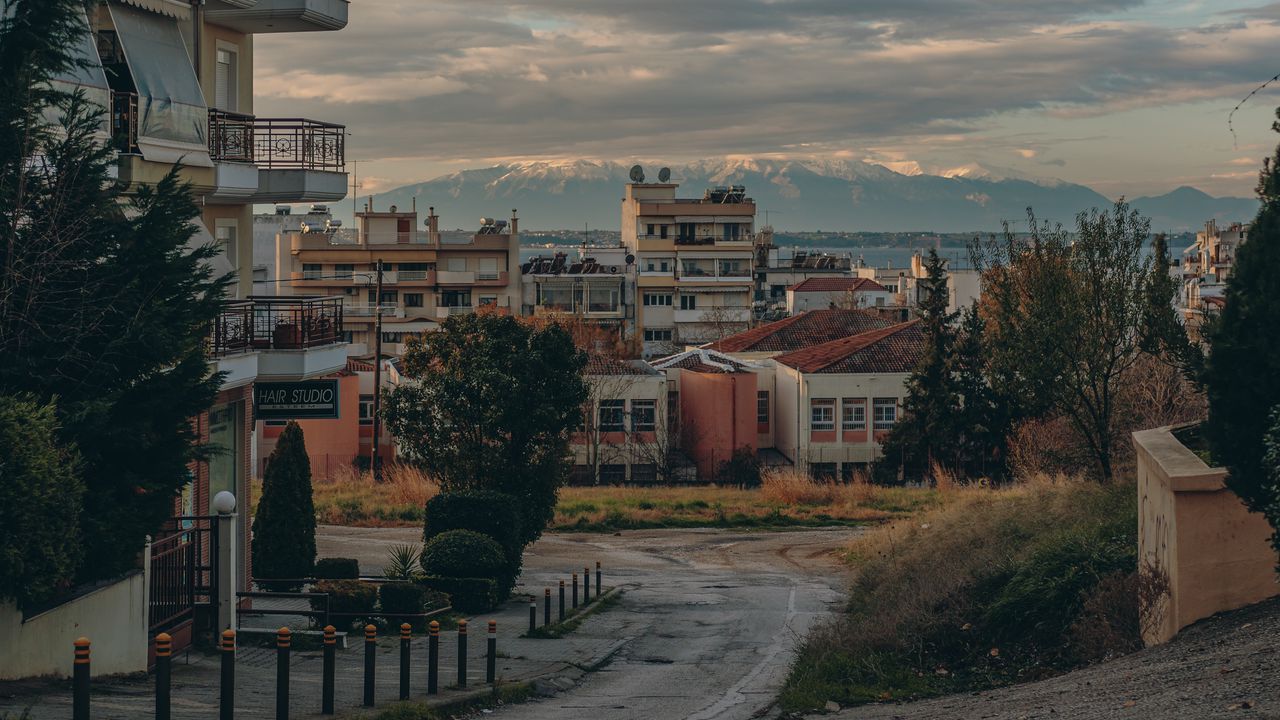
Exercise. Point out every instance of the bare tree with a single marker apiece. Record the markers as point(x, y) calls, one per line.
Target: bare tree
point(598, 437)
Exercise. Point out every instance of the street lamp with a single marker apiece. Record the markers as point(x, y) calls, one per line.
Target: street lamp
point(224, 503)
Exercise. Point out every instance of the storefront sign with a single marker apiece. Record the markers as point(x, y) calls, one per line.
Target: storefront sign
point(310, 400)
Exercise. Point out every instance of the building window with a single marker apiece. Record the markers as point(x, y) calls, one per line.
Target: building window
point(822, 471)
point(413, 300)
point(657, 335)
point(822, 414)
point(657, 299)
point(644, 473)
point(853, 414)
point(643, 415)
point(650, 230)
point(311, 271)
point(225, 80)
point(489, 300)
point(366, 409)
point(777, 291)
point(581, 475)
point(613, 474)
point(488, 269)
point(662, 232)
point(455, 298)
point(732, 231)
point(688, 302)
point(276, 423)
point(686, 232)
point(392, 337)
point(762, 407)
point(343, 271)
point(389, 297)
point(885, 412)
point(612, 415)
point(731, 268)
point(657, 265)
point(413, 271)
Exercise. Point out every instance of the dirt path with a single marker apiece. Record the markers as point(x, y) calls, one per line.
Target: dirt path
point(1225, 667)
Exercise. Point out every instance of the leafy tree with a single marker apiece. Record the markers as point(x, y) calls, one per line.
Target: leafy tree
point(40, 498)
point(102, 302)
point(1066, 317)
point(1242, 377)
point(489, 406)
point(284, 525)
point(1271, 468)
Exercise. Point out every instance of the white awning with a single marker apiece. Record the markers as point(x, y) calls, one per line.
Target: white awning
point(171, 8)
point(701, 289)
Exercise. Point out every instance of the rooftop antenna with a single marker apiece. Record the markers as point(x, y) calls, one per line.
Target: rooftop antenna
point(637, 174)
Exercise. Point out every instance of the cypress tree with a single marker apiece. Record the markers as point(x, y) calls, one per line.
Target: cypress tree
point(284, 525)
point(1242, 377)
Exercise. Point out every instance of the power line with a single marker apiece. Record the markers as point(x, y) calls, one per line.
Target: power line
point(1235, 141)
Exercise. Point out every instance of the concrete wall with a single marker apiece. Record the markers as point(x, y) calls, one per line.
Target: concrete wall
point(1191, 527)
point(114, 618)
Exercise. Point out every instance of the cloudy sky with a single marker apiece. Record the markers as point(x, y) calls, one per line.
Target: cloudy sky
point(1128, 97)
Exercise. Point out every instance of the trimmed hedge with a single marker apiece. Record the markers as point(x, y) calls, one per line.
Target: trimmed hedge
point(347, 596)
point(398, 600)
point(466, 594)
point(463, 553)
point(489, 513)
point(336, 569)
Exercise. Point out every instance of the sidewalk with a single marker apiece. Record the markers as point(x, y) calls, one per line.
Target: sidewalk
point(195, 680)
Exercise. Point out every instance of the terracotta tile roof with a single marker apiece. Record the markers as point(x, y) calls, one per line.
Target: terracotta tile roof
point(703, 360)
point(602, 365)
point(837, 284)
point(801, 331)
point(896, 348)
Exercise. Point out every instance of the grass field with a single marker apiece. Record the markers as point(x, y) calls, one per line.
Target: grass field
point(787, 499)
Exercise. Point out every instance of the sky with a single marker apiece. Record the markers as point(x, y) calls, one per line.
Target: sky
point(1125, 96)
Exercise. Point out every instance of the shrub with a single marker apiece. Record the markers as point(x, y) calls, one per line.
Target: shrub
point(349, 600)
point(403, 561)
point(336, 569)
point(466, 595)
point(401, 599)
point(463, 553)
point(40, 498)
point(741, 469)
point(489, 513)
point(284, 526)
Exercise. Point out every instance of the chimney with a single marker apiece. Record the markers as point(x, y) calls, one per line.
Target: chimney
point(515, 223)
point(433, 220)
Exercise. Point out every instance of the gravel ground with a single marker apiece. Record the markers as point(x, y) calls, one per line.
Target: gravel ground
point(1227, 666)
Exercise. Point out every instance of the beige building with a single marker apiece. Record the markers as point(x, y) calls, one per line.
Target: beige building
point(626, 436)
point(596, 286)
point(427, 275)
point(694, 259)
point(1206, 265)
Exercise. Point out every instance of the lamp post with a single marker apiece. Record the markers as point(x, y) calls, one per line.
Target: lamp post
point(224, 504)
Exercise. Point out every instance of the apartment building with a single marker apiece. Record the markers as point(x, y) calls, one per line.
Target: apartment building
point(694, 259)
point(596, 287)
point(1206, 265)
point(427, 275)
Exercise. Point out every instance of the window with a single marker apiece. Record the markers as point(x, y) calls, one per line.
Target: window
point(612, 415)
point(366, 409)
point(657, 335)
point(457, 264)
point(488, 269)
point(731, 231)
point(581, 475)
point(822, 471)
point(662, 232)
point(643, 418)
point(731, 268)
point(644, 473)
point(413, 300)
point(688, 302)
point(276, 423)
point(853, 414)
point(690, 268)
point(822, 414)
point(414, 271)
point(389, 297)
point(650, 230)
point(762, 407)
point(651, 299)
point(777, 291)
point(885, 412)
point(613, 474)
point(660, 265)
point(455, 298)
point(311, 271)
point(224, 81)
point(392, 337)
point(602, 298)
point(489, 300)
point(343, 271)
point(687, 231)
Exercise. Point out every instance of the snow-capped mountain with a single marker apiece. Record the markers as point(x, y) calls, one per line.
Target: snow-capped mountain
point(799, 194)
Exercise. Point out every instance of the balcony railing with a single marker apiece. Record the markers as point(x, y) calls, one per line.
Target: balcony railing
point(124, 121)
point(712, 239)
point(277, 143)
point(276, 323)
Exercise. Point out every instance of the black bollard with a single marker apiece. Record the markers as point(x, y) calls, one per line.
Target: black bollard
point(575, 591)
point(433, 658)
point(546, 606)
point(586, 586)
point(404, 660)
point(370, 656)
point(227, 693)
point(80, 681)
point(599, 582)
point(561, 601)
point(462, 653)
point(283, 637)
point(326, 690)
point(533, 614)
point(491, 664)
point(164, 652)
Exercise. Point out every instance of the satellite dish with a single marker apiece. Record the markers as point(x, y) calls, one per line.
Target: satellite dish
point(637, 174)
point(664, 174)
point(630, 259)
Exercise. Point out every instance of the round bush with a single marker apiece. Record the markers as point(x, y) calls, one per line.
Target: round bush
point(463, 554)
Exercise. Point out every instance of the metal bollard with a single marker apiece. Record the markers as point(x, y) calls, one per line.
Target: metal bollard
point(533, 614)
point(227, 693)
point(575, 591)
point(80, 681)
point(491, 664)
point(546, 606)
point(283, 636)
point(599, 582)
point(164, 653)
point(326, 690)
point(370, 657)
point(405, 636)
point(561, 601)
point(462, 653)
point(586, 586)
point(433, 658)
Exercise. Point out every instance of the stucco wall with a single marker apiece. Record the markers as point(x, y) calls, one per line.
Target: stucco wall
point(1214, 552)
point(332, 445)
point(718, 416)
point(114, 618)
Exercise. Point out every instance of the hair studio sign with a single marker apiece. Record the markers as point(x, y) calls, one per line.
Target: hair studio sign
point(310, 400)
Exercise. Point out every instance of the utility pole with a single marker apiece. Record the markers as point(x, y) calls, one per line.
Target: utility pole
point(376, 463)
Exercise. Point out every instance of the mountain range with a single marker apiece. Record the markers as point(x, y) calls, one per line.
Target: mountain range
point(796, 195)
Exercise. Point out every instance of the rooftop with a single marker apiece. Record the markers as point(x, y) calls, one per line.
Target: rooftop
point(604, 365)
point(703, 360)
point(837, 284)
point(892, 349)
point(801, 331)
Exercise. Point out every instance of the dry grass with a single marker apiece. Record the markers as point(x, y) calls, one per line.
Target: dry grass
point(353, 498)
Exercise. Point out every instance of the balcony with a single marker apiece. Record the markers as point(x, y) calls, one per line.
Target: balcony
point(297, 160)
point(714, 315)
point(278, 338)
point(445, 311)
point(371, 311)
point(455, 277)
point(740, 240)
point(277, 16)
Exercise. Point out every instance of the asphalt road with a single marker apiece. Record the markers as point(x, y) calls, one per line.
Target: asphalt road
point(707, 625)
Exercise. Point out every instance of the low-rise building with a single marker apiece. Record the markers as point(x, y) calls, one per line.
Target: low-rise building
point(717, 400)
point(1205, 267)
point(626, 436)
point(836, 292)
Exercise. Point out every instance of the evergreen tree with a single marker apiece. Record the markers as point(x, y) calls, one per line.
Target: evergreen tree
point(984, 418)
point(1242, 377)
point(490, 408)
point(1163, 333)
point(102, 302)
point(284, 525)
point(926, 433)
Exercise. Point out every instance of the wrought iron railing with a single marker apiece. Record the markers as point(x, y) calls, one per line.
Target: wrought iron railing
point(231, 136)
point(276, 323)
point(277, 143)
point(124, 121)
point(183, 571)
point(232, 331)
